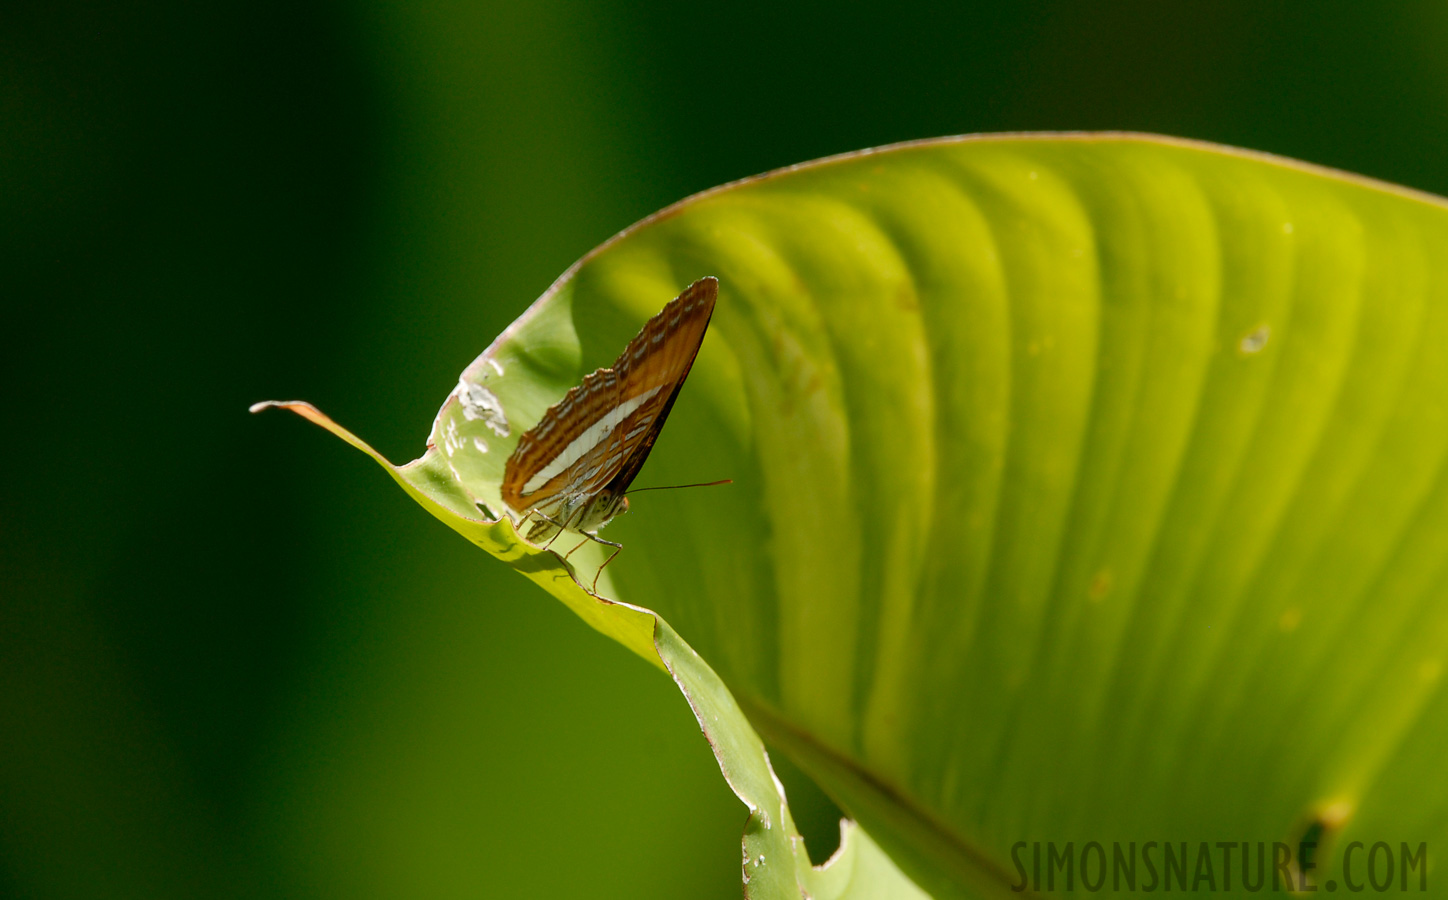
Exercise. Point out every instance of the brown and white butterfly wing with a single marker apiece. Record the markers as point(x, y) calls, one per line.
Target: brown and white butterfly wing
point(574, 465)
point(542, 471)
point(654, 365)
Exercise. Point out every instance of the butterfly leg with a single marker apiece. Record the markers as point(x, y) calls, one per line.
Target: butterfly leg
point(617, 548)
point(588, 536)
point(575, 548)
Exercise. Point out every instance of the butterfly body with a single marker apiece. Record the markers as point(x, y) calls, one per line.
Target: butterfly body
point(570, 471)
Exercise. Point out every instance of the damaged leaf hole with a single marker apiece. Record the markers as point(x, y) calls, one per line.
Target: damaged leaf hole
point(1312, 841)
point(816, 816)
point(1255, 341)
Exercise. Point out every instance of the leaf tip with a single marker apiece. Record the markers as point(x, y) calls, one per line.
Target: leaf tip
point(317, 417)
point(300, 407)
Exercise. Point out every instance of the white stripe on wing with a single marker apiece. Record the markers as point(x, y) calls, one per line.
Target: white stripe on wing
point(591, 437)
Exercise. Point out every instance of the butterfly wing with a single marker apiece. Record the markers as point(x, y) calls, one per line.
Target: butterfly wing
point(655, 364)
point(543, 470)
point(598, 436)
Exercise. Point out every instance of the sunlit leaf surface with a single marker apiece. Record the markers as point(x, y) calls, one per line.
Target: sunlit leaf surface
point(1085, 489)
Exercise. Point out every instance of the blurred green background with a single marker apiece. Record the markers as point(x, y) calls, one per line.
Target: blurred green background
point(235, 660)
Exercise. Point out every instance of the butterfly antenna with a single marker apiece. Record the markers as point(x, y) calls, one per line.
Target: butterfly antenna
point(674, 487)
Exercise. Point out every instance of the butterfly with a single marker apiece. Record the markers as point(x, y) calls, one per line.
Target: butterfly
point(570, 471)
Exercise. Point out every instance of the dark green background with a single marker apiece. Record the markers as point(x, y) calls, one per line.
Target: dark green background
point(235, 660)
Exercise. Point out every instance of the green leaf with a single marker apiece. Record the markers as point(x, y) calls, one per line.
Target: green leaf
point(1087, 488)
point(775, 863)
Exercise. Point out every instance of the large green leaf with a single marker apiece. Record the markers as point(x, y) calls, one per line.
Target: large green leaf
point(1087, 488)
point(775, 863)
